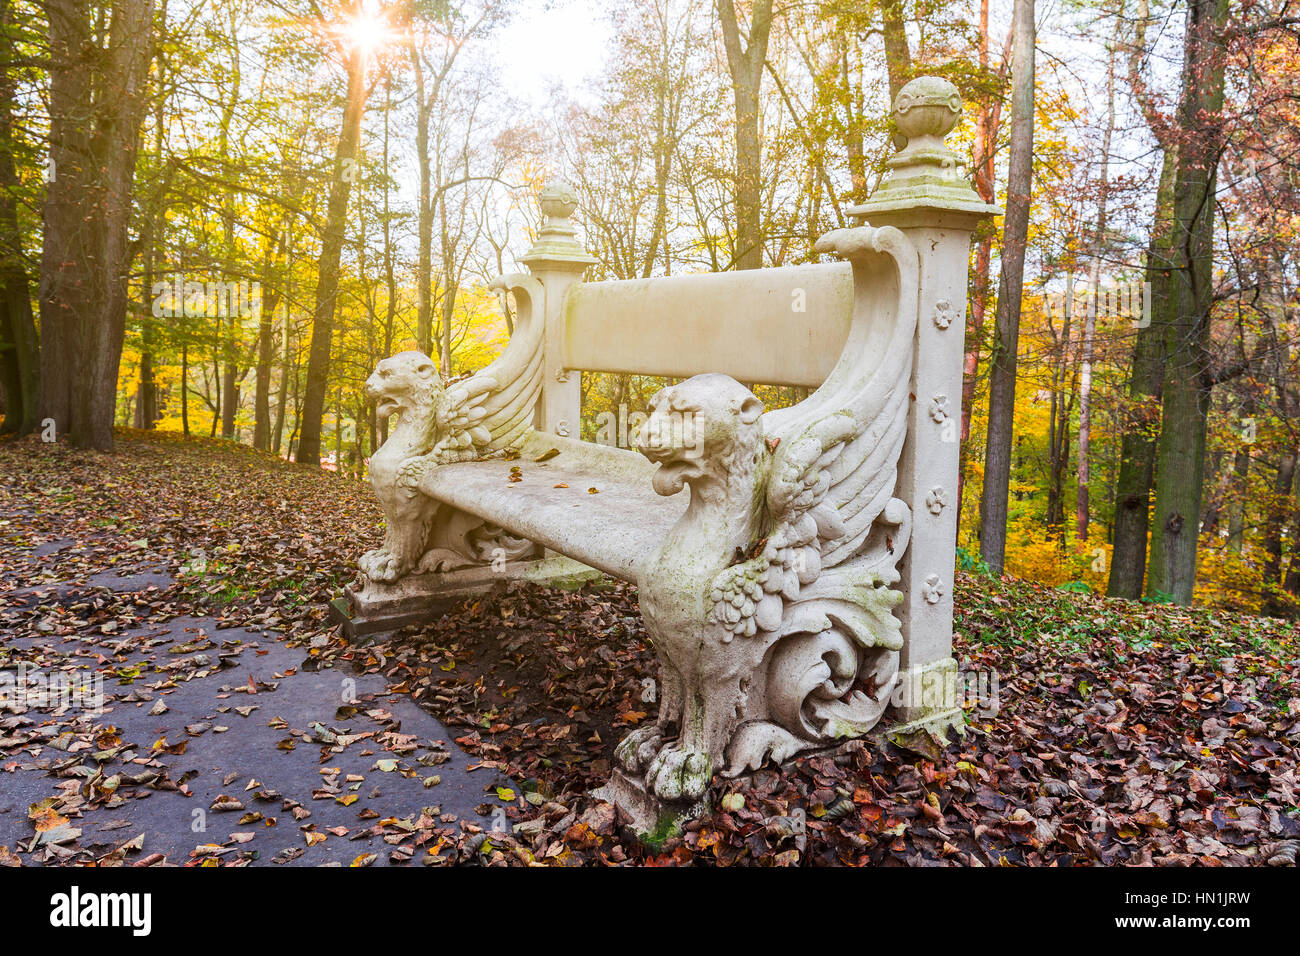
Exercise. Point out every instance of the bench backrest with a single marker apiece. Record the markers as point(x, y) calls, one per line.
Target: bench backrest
point(784, 326)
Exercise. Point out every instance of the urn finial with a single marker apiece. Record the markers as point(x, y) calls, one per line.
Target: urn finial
point(556, 240)
point(928, 106)
point(924, 174)
point(558, 200)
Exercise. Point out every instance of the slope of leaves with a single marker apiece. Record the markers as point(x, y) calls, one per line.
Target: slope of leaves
point(1098, 732)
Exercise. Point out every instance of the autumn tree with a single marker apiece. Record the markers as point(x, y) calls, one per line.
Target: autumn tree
point(1002, 375)
point(746, 50)
point(99, 71)
point(355, 56)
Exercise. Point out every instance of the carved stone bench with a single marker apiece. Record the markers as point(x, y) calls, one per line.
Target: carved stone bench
point(795, 566)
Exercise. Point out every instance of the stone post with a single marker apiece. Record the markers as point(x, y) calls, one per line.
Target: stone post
point(926, 195)
point(558, 260)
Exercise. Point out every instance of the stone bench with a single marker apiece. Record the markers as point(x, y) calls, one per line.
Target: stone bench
point(794, 566)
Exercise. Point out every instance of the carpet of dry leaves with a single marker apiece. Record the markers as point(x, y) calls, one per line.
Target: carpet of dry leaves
point(1104, 732)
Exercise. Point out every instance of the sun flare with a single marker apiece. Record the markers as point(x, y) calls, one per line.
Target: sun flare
point(368, 30)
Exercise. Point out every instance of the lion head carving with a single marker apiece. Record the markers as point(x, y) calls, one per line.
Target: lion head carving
point(699, 429)
point(405, 382)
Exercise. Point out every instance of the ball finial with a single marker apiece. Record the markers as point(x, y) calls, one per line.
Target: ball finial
point(927, 106)
point(558, 200)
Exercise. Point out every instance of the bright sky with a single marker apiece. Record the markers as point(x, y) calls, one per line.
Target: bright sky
point(552, 42)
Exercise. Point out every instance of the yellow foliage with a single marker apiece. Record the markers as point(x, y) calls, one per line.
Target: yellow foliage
point(1226, 578)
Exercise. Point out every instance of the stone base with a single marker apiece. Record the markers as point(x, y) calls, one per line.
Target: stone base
point(652, 819)
point(926, 691)
point(937, 723)
point(369, 608)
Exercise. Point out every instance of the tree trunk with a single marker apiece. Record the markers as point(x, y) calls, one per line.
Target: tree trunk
point(147, 389)
point(1082, 504)
point(1278, 506)
point(1002, 373)
point(19, 355)
point(146, 393)
point(746, 67)
point(664, 146)
point(987, 123)
point(97, 101)
point(1292, 582)
point(19, 347)
point(185, 388)
point(338, 434)
point(265, 349)
point(327, 270)
point(63, 281)
point(451, 281)
point(230, 386)
point(424, 211)
point(898, 58)
point(1239, 485)
point(215, 402)
point(1058, 429)
point(1142, 418)
point(282, 399)
point(1185, 399)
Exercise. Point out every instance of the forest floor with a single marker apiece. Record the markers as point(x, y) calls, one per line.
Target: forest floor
point(192, 578)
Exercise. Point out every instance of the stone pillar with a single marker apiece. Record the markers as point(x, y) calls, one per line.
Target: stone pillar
point(558, 260)
point(926, 195)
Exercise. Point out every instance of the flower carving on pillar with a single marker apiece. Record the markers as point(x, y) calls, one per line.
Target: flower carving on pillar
point(939, 410)
point(943, 314)
point(936, 500)
point(933, 589)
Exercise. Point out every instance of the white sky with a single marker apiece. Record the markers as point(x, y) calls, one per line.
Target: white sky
point(552, 42)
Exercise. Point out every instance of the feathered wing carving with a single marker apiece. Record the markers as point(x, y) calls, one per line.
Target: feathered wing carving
point(493, 409)
point(820, 588)
point(840, 449)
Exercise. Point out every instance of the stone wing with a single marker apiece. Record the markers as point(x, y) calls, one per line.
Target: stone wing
point(835, 466)
point(492, 410)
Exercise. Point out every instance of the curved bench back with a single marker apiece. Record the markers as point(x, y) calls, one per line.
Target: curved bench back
point(783, 326)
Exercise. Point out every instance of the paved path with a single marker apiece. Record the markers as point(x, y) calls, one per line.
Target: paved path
point(330, 744)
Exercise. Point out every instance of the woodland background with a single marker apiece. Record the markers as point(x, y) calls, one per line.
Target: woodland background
point(1131, 410)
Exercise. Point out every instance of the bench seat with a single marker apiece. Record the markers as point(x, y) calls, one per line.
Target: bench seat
point(614, 530)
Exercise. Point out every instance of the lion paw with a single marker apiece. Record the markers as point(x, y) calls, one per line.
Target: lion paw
point(677, 775)
point(637, 749)
point(382, 566)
